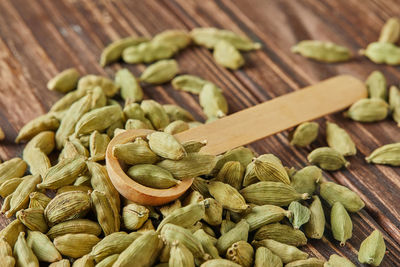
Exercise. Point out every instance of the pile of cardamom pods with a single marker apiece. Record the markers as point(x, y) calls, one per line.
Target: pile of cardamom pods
point(243, 209)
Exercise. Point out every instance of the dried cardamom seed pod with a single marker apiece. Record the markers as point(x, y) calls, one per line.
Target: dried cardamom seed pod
point(98, 145)
point(147, 52)
point(85, 261)
point(64, 81)
point(226, 55)
point(207, 243)
point(242, 253)
point(390, 32)
point(176, 39)
point(91, 81)
point(192, 198)
point(382, 53)
point(137, 152)
point(9, 186)
point(65, 102)
point(189, 83)
point(76, 226)
point(304, 134)
point(143, 251)
point(106, 212)
point(266, 214)
point(311, 262)
point(134, 111)
point(61, 263)
point(69, 188)
point(327, 159)
point(231, 173)
point(133, 124)
point(193, 165)
point(109, 261)
point(134, 216)
point(265, 257)
point(250, 175)
point(75, 245)
point(271, 193)
point(72, 149)
point(286, 252)
point(38, 200)
point(186, 216)
point(268, 167)
point(5, 248)
point(37, 159)
point(282, 233)
point(387, 154)
point(209, 37)
point(341, 224)
point(242, 154)
point(33, 219)
point(332, 192)
point(176, 113)
point(11, 231)
point(213, 101)
point(12, 168)
point(46, 122)
point(372, 249)
point(315, 226)
point(200, 185)
point(42, 247)
point(180, 256)
point(67, 206)
point(322, 51)
point(306, 179)
point(336, 260)
point(394, 103)
point(227, 196)
point(227, 224)
point(338, 139)
point(376, 85)
point(130, 86)
point(155, 113)
point(43, 141)
point(160, 72)
point(300, 214)
point(113, 51)
point(237, 233)
point(213, 212)
point(194, 146)
point(165, 145)
point(176, 127)
point(23, 254)
point(152, 176)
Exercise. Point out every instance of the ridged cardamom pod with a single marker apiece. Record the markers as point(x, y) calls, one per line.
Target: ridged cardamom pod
point(180, 256)
point(109, 261)
point(372, 249)
point(390, 32)
point(242, 154)
point(315, 226)
point(46, 122)
point(237, 233)
point(178, 113)
point(72, 149)
point(271, 193)
point(332, 192)
point(186, 216)
point(250, 175)
point(134, 111)
point(304, 134)
point(68, 188)
point(227, 196)
point(36, 151)
point(64, 81)
point(38, 200)
point(152, 176)
point(242, 253)
point(188, 83)
point(160, 72)
point(23, 254)
point(311, 262)
point(134, 216)
point(226, 55)
point(213, 212)
point(137, 152)
point(327, 159)
point(130, 86)
point(207, 243)
point(106, 212)
point(338, 139)
point(5, 248)
point(231, 173)
point(368, 110)
point(42, 247)
point(382, 53)
point(9, 186)
point(147, 52)
point(194, 146)
point(322, 51)
point(113, 51)
point(91, 81)
point(387, 154)
point(176, 39)
point(11, 231)
point(165, 145)
point(200, 185)
point(306, 179)
point(376, 85)
point(341, 224)
point(282, 233)
point(75, 245)
point(213, 101)
point(98, 145)
point(265, 257)
point(336, 260)
point(77, 226)
point(268, 167)
point(394, 103)
point(266, 214)
point(33, 219)
point(62, 105)
point(176, 127)
point(156, 113)
point(286, 252)
point(299, 214)
point(12, 168)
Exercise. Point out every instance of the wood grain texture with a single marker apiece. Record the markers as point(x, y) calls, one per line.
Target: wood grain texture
point(39, 38)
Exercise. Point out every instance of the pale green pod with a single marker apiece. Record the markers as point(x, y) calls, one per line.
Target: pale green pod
point(61, 263)
point(109, 261)
point(160, 72)
point(311, 262)
point(341, 224)
point(338, 139)
point(315, 226)
point(75, 226)
point(137, 152)
point(186, 216)
point(299, 214)
point(193, 165)
point(194, 146)
point(66, 101)
point(250, 176)
point(322, 51)
point(176, 127)
point(133, 124)
point(286, 252)
point(152, 176)
point(176, 113)
point(282, 233)
point(180, 256)
point(11, 231)
point(382, 53)
point(72, 149)
point(227, 196)
point(394, 103)
point(327, 159)
point(9, 186)
point(213, 213)
point(147, 52)
point(130, 87)
point(75, 245)
point(376, 85)
point(43, 141)
point(390, 32)
point(12, 168)
point(46, 122)
point(189, 83)
point(113, 51)
point(372, 249)
point(33, 219)
point(226, 55)
point(115, 128)
point(332, 192)
point(91, 81)
point(231, 173)
point(209, 37)
point(98, 145)
point(338, 261)
point(265, 214)
point(64, 81)
point(265, 257)
point(155, 113)
point(166, 145)
point(176, 39)
point(5, 248)
point(268, 167)
point(207, 243)
point(135, 111)
point(271, 193)
point(38, 200)
point(237, 233)
point(134, 216)
point(212, 101)
point(42, 247)
point(23, 254)
point(106, 212)
point(242, 154)
point(388, 154)
point(304, 134)
point(242, 253)
point(192, 197)
point(306, 179)
point(200, 185)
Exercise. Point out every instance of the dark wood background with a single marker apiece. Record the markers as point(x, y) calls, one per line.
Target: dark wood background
point(40, 38)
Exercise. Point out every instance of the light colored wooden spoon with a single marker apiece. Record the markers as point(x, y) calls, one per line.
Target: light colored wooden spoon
point(241, 128)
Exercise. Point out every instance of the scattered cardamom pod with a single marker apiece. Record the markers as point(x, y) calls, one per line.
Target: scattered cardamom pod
point(176, 127)
point(265, 214)
point(176, 113)
point(237, 233)
point(332, 192)
point(315, 226)
point(282, 233)
point(165, 145)
point(390, 32)
point(227, 196)
point(176, 39)
point(341, 224)
point(311, 262)
point(336, 260)
point(299, 214)
point(394, 103)
point(64, 81)
point(338, 139)
point(388, 154)
point(9, 186)
point(130, 87)
point(382, 53)
point(304, 134)
point(189, 83)
point(372, 249)
point(268, 167)
point(147, 52)
point(106, 212)
point(33, 219)
point(306, 179)
point(207, 243)
point(327, 159)
point(265, 257)
point(75, 226)
point(212, 101)
point(134, 216)
point(322, 51)
point(42, 247)
point(160, 72)
point(38, 200)
point(186, 216)
point(242, 253)
point(180, 256)
point(155, 113)
point(287, 253)
point(226, 55)
point(75, 245)
point(12, 168)
point(376, 85)
point(47, 122)
point(113, 51)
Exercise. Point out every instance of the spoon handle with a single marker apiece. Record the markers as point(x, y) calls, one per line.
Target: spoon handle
point(277, 115)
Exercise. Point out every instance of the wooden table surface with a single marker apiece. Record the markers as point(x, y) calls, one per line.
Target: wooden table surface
point(39, 38)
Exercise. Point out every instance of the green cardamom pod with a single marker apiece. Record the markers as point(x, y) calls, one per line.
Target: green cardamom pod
point(186, 216)
point(91, 81)
point(382, 53)
point(42, 247)
point(341, 224)
point(176, 127)
point(268, 167)
point(327, 159)
point(271, 193)
point(304, 134)
point(227, 196)
point(300, 214)
point(176, 39)
point(36, 151)
point(9, 186)
point(282, 233)
point(98, 145)
point(64, 81)
point(311, 262)
point(250, 175)
point(147, 52)
point(376, 85)
point(315, 226)
point(76, 226)
point(265, 214)
point(38, 200)
point(169, 208)
point(11, 231)
point(394, 103)
point(338, 139)
point(73, 148)
point(65, 102)
point(242, 253)
point(130, 87)
point(5, 248)
point(231, 173)
point(133, 124)
point(388, 154)
point(46, 122)
point(237, 233)
point(23, 254)
point(322, 51)
point(193, 197)
point(336, 260)
point(194, 146)
point(332, 192)
point(160, 72)
point(134, 216)
point(113, 51)
point(200, 185)
point(135, 111)
point(180, 256)
point(12, 168)
point(85, 261)
point(155, 113)
point(306, 179)
point(372, 249)
point(166, 145)
point(152, 176)
point(109, 261)
point(287, 253)
point(207, 243)
point(189, 83)
point(213, 212)
point(390, 32)
point(137, 152)
point(212, 101)
point(33, 219)
point(242, 154)
point(75, 245)
point(68, 188)
point(226, 55)
point(106, 212)
point(176, 113)
point(265, 257)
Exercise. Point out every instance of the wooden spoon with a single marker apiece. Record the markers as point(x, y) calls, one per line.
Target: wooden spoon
point(241, 128)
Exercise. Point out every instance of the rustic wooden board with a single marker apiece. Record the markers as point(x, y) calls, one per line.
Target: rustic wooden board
point(38, 38)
